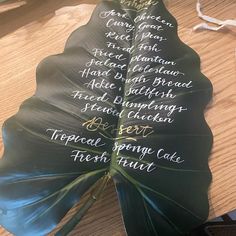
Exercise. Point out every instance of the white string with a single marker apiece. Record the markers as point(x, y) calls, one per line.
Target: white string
point(220, 24)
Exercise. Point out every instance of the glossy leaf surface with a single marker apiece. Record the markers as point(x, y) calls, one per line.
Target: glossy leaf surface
point(126, 99)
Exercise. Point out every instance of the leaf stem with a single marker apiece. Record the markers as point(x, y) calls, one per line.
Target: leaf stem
point(95, 194)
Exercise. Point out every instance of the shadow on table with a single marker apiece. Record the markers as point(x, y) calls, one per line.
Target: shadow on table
point(220, 226)
point(31, 10)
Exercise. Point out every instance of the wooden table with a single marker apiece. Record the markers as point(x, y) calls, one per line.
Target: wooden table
point(32, 30)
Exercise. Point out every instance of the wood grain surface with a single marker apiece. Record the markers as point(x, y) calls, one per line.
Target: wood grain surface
point(32, 30)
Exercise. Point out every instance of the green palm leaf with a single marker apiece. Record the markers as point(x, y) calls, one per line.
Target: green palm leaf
point(124, 101)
